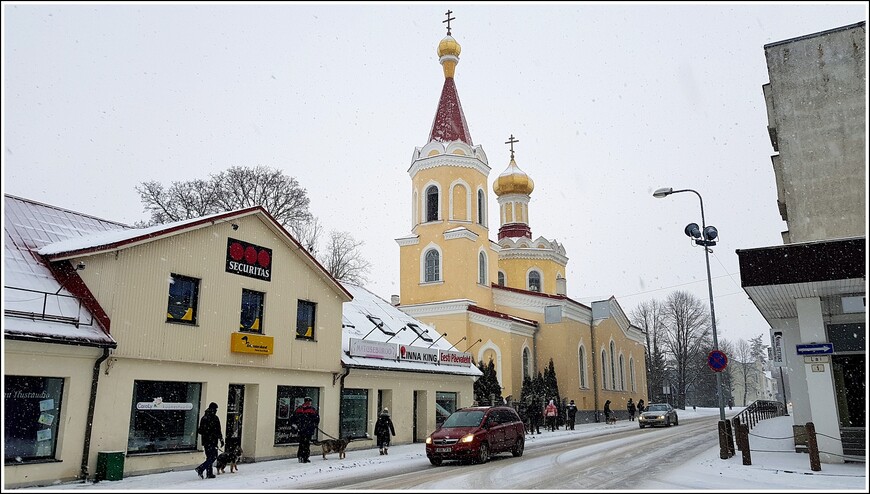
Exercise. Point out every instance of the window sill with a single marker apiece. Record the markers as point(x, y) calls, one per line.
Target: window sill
point(182, 322)
point(426, 283)
point(32, 462)
point(302, 338)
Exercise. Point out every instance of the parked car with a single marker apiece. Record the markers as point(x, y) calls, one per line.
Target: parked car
point(475, 434)
point(658, 414)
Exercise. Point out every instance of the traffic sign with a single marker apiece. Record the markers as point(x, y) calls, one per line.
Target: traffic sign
point(717, 360)
point(815, 349)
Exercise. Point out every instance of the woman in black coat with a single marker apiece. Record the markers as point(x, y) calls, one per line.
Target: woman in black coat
point(383, 430)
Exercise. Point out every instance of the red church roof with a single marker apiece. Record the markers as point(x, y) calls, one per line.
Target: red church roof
point(449, 123)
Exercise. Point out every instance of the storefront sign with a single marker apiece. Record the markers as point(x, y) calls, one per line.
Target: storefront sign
point(372, 349)
point(251, 343)
point(455, 358)
point(418, 354)
point(159, 404)
point(777, 349)
point(249, 260)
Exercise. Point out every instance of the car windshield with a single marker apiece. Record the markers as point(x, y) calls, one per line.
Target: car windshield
point(461, 418)
point(657, 408)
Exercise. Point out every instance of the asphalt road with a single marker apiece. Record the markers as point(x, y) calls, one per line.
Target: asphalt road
point(624, 459)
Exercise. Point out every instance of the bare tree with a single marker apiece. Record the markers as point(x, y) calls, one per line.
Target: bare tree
point(343, 258)
point(745, 364)
point(687, 324)
point(241, 187)
point(649, 316)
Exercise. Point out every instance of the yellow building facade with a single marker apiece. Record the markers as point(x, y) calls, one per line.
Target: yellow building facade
point(504, 300)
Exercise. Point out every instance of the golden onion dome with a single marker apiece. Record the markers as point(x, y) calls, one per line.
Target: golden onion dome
point(448, 55)
point(513, 181)
point(448, 46)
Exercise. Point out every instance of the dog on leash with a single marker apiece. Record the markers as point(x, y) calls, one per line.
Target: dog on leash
point(333, 446)
point(231, 457)
point(611, 420)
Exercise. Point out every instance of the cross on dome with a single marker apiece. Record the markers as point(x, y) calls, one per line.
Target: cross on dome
point(448, 20)
point(511, 141)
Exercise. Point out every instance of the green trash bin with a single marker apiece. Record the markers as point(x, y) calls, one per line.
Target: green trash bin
point(110, 465)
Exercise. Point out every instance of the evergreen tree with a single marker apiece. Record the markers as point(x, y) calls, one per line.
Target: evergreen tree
point(487, 390)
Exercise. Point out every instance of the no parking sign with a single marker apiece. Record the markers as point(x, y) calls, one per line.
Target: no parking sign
point(717, 360)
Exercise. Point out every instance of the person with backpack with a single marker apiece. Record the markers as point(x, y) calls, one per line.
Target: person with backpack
point(551, 412)
point(383, 430)
point(571, 410)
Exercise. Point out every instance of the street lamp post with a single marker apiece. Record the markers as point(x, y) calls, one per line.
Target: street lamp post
point(709, 240)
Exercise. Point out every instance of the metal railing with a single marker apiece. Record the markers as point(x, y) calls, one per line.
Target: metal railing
point(40, 305)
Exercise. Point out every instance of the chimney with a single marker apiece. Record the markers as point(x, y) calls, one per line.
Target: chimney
point(561, 286)
point(394, 299)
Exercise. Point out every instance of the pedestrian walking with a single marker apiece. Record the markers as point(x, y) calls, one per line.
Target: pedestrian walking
point(607, 412)
point(551, 412)
point(305, 420)
point(631, 409)
point(383, 430)
point(640, 406)
point(210, 430)
point(571, 409)
point(536, 416)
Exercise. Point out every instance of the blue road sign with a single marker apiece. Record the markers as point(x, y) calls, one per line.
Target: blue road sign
point(717, 360)
point(815, 349)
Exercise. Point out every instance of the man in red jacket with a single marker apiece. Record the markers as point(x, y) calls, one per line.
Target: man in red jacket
point(305, 419)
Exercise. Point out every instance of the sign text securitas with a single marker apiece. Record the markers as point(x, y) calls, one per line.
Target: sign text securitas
point(249, 260)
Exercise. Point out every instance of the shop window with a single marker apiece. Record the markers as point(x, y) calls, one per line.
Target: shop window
point(252, 311)
point(354, 413)
point(445, 404)
point(289, 399)
point(305, 312)
point(31, 416)
point(164, 416)
point(183, 299)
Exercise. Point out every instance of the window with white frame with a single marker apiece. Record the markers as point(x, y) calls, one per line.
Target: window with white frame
point(432, 270)
point(622, 372)
point(603, 369)
point(582, 364)
point(501, 278)
point(432, 203)
point(481, 208)
point(612, 365)
point(534, 281)
point(481, 268)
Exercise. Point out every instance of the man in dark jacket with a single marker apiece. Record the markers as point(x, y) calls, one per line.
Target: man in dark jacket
point(210, 430)
point(571, 409)
point(305, 419)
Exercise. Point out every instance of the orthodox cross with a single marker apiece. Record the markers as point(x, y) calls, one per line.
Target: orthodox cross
point(448, 21)
point(511, 141)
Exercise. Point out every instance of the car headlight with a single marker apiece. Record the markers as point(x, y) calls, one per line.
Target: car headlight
point(429, 440)
point(468, 438)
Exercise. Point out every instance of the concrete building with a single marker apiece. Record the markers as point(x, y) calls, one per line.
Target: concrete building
point(812, 289)
point(507, 296)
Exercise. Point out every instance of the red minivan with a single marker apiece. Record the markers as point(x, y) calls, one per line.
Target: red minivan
point(476, 433)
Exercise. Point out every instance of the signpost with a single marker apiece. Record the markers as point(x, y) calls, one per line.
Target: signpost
point(717, 360)
point(815, 349)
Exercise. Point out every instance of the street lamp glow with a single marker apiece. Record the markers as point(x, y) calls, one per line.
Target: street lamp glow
point(709, 239)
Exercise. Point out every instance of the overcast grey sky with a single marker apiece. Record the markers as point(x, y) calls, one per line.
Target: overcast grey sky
point(609, 102)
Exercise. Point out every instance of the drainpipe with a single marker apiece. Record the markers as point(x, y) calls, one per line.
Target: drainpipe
point(340, 395)
point(89, 425)
point(594, 369)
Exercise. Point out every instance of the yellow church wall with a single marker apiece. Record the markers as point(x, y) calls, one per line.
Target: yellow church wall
point(459, 272)
point(516, 272)
point(505, 350)
point(619, 393)
point(451, 180)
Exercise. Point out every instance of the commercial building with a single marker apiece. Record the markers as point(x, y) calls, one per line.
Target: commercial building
point(812, 289)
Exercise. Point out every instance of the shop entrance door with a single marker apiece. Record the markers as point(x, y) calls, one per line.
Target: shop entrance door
point(235, 409)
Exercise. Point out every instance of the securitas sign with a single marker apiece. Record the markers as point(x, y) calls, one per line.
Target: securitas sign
point(249, 260)
point(418, 354)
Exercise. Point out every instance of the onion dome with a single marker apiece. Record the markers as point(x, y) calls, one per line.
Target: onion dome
point(448, 55)
point(449, 123)
point(513, 181)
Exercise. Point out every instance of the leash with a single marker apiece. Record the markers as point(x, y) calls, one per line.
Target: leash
point(325, 434)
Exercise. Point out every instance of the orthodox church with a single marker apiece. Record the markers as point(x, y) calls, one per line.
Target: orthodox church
point(504, 300)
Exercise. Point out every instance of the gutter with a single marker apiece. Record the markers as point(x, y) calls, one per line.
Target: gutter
point(594, 369)
point(340, 396)
point(89, 425)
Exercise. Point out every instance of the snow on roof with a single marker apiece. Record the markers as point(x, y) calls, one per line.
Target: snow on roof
point(44, 310)
point(359, 319)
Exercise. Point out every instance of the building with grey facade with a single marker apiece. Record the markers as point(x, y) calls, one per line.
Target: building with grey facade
point(812, 289)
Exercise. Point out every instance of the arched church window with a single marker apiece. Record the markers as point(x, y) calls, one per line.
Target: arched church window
point(534, 281)
point(433, 266)
point(481, 213)
point(622, 373)
point(481, 268)
point(501, 278)
point(582, 361)
point(527, 364)
point(603, 369)
point(432, 203)
point(612, 365)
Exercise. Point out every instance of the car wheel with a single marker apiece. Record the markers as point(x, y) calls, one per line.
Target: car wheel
point(641, 425)
point(518, 447)
point(483, 453)
point(676, 420)
point(435, 461)
point(668, 422)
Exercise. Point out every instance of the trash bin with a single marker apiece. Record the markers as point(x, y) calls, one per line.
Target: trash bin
point(110, 465)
